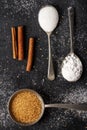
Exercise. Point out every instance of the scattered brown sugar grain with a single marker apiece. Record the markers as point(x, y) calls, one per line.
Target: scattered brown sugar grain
point(25, 107)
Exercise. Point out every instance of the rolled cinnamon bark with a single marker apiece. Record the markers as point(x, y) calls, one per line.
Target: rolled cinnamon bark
point(20, 43)
point(14, 42)
point(30, 54)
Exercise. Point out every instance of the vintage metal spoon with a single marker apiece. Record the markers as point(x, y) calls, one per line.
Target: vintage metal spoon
point(78, 107)
point(48, 18)
point(78, 67)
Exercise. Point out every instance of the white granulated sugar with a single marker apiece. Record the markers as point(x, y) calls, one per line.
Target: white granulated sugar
point(48, 18)
point(72, 68)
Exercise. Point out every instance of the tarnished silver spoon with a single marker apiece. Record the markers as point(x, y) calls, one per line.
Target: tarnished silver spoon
point(72, 67)
point(48, 18)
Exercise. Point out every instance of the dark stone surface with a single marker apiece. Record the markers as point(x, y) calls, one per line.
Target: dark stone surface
point(12, 72)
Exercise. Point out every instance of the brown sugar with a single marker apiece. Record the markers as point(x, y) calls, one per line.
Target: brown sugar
point(25, 107)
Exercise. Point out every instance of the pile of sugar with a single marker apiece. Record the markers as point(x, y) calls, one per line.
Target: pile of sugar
point(72, 68)
point(25, 107)
point(48, 18)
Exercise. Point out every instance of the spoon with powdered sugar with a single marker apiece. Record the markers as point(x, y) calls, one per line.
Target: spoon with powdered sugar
point(72, 67)
point(48, 18)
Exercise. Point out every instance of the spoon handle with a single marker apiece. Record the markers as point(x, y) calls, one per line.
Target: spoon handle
point(71, 23)
point(68, 106)
point(51, 74)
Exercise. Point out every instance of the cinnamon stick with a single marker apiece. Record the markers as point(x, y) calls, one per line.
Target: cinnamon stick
point(14, 42)
point(20, 43)
point(30, 54)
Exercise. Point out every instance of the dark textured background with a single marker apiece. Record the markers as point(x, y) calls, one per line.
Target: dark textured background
point(12, 72)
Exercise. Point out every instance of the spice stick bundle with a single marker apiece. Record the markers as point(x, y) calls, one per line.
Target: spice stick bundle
point(18, 46)
point(20, 43)
point(14, 42)
point(30, 54)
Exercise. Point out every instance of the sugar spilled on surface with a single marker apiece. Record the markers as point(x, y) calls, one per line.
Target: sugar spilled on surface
point(77, 96)
point(23, 6)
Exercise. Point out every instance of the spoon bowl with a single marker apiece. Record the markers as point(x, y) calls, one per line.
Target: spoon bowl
point(48, 18)
point(67, 69)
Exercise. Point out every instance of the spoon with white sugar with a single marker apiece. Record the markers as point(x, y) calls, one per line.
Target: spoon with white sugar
point(48, 19)
point(72, 66)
